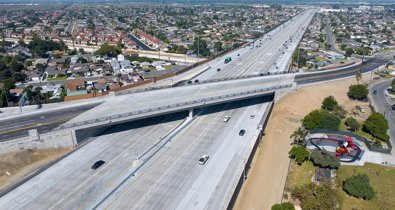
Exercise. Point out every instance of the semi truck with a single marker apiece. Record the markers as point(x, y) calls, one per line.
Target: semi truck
point(228, 59)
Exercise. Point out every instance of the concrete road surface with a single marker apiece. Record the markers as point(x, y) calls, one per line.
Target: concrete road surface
point(175, 180)
point(72, 184)
point(171, 178)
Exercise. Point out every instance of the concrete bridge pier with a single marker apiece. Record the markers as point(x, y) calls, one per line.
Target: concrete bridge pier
point(191, 113)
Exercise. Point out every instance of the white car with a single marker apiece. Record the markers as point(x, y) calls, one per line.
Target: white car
point(203, 159)
point(226, 119)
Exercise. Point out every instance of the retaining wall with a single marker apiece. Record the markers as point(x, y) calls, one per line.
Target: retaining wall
point(59, 139)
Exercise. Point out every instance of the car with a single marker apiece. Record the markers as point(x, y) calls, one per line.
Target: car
point(375, 92)
point(393, 107)
point(98, 164)
point(252, 116)
point(226, 119)
point(203, 159)
point(189, 82)
point(196, 81)
point(238, 54)
point(219, 69)
point(242, 132)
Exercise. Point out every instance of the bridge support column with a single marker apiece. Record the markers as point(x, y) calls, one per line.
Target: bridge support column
point(190, 113)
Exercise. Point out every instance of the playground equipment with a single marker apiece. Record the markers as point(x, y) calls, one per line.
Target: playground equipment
point(348, 143)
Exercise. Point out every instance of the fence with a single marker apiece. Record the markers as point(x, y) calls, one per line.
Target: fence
point(368, 143)
point(164, 107)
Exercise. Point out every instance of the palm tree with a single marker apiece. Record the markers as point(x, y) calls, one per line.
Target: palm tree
point(298, 135)
point(358, 76)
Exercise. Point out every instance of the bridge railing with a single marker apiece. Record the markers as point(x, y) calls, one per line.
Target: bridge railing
point(169, 106)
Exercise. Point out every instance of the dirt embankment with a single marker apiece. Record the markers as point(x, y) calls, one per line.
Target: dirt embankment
point(17, 165)
point(266, 179)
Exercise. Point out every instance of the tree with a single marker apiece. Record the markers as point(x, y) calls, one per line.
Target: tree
point(299, 153)
point(343, 47)
point(323, 159)
point(358, 76)
point(377, 126)
point(352, 124)
point(358, 91)
point(349, 52)
point(321, 119)
point(106, 49)
point(358, 186)
point(218, 46)
point(298, 135)
point(339, 111)
point(283, 206)
point(317, 197)
point(329, 103)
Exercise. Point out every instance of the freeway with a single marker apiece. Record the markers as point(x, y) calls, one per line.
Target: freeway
point(71, 183)
point(383, 104)
point(45, 122)
point(270, 53)
point(161, 180)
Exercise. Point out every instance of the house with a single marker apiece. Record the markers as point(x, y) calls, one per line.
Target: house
point(75, 87)
point(145, 65)
point(56, 89)
point(115, 65)
point(81, 69)
point(334, 55)
point(42, 61)
point(120, 57)
point(126, 65)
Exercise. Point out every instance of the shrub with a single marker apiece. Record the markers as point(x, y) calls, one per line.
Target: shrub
point(358, 92)
point(352, 124)
point(358, 186)
point(299, 153)
point(329, 103)
point(322, 119)
point(377, 126)
point(339, 111)
point(323, 159)
point(283, 206)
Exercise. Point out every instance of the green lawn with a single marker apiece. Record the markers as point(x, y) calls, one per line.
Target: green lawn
point(57, 78)
point(382, 179)
point(300, 175)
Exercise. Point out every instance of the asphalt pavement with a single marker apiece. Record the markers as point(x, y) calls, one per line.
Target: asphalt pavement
point(382, 104)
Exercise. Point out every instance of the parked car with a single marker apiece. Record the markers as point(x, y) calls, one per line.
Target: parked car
point(242, 132)
point(393, 107)
point(98, 164)
point(226, 119)
point(375, 92)
point(252, 116)
point(219, 69)
point(203, 159)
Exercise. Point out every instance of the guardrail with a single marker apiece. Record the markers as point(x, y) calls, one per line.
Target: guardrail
point(201, 82)
point(164, 107)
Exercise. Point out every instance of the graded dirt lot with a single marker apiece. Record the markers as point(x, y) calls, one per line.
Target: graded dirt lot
point(266, 179)
point(17, 165)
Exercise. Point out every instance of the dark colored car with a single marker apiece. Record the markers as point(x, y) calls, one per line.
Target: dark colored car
point(98, 164)
point(393, 107)
point(196, 81)
point(375, 92)
point(189, 82)
point(218, 69)
point(242, 132)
